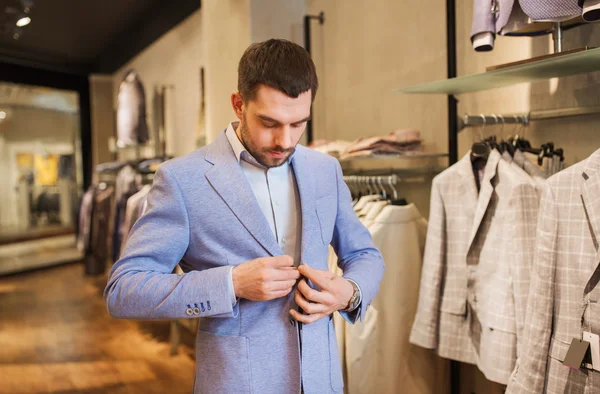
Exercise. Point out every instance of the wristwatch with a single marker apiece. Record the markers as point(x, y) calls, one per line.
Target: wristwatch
point(355, 299)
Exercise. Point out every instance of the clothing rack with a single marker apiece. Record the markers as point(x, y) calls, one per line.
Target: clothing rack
point(525, 119)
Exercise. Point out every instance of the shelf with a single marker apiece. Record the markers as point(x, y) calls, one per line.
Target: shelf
point(559, 66)
point(403, 173)
point(388, 157)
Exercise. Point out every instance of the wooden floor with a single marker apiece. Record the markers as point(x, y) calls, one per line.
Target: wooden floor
point(56, 337)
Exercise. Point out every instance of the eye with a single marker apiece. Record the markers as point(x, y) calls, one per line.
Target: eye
point(298, 125)
point(269, 125)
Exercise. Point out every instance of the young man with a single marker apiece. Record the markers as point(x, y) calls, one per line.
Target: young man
point(249, 218)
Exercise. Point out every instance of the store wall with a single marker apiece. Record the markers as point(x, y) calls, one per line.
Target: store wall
point(578, 136)
point(363, 51)
point(174, 60)
point(247, 22)
point(30, 130)
point(103, 117)
point(227, 35)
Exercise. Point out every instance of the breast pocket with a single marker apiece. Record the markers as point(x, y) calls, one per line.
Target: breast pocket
point(327, 213)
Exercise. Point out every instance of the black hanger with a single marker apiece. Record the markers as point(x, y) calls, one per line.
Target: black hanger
point(399, 202)
point(480, 151)
point(507, 147)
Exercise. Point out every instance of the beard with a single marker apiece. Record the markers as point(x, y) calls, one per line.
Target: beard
point(262, 154)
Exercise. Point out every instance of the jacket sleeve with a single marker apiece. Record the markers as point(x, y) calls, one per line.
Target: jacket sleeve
point(141, 284)
point(425, 328)
point(358, 258)
point(530, 372)
point(483, 28)
point(524, 207)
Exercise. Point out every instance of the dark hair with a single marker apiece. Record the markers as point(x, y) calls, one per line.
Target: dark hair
point(280, 64)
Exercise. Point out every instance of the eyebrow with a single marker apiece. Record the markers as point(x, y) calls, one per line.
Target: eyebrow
point(268, 119)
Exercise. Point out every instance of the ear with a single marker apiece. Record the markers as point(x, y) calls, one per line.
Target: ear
point(237, 104)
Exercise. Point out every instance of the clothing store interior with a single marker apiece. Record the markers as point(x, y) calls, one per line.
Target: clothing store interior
point(467, 133)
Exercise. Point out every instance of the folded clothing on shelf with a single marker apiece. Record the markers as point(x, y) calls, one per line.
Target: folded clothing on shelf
point(332, 148)
point(400, 142)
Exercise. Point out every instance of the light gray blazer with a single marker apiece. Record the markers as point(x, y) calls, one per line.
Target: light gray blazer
point(203, 215)
point(475, 276)
point(564, 298)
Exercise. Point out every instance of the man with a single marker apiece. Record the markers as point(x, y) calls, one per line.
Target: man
point(249, 218)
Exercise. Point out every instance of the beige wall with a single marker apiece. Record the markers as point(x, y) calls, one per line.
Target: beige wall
point(364, 50)
point(227, 35)
point(103, 117)
point(175, 59)
point(230, 26)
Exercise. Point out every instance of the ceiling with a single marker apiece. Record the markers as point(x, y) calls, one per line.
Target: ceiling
point(85, 36)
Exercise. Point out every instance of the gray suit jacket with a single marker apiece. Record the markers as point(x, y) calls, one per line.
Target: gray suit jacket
point(475, 276)
point(564, 298)
point(203, 215)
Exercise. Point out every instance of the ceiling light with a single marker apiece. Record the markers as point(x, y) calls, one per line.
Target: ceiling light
point(2, 115)
point(24, 21)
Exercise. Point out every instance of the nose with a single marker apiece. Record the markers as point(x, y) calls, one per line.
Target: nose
point(283, 137)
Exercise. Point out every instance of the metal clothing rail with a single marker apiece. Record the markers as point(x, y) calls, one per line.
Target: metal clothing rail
point(525, 119)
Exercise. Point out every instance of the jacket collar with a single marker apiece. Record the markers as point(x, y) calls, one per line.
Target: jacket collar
point(475, 203)
point(230, 183)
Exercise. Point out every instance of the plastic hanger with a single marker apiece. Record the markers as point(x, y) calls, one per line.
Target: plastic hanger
point(480, 150)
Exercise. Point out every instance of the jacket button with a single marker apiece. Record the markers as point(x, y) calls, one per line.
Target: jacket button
point(189, 312)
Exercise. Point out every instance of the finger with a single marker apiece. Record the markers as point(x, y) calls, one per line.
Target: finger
point(311, 294)
point(287, 273)
point(306, 319)
point(278, 294)
point(281, 261)
point(308, 307)
point(319, 277)
point(282, 285)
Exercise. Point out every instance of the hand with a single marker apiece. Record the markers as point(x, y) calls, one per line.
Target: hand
point(335, 294)
point(265, 278)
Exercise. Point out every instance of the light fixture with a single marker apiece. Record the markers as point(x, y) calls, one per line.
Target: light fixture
point(2, 115)
point(24, 21)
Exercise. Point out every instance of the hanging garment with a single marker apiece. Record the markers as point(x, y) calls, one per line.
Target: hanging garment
point(483, 28)
point(539, 178)
point(132, 213)
point(375, 209)
point(521, 25)
point(551, 10)
point(85, 220)
point(475, 277)
point(565, 295)
point(379, 357)
point(132, 128)
point(126, 185)
point(591, 10)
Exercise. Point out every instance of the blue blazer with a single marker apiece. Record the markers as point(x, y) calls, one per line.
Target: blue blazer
point(203, 215)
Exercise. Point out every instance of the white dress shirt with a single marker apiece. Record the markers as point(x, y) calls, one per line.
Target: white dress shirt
point(277, 195)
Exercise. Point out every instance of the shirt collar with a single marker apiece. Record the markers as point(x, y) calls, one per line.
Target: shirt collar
point(235, 142)
point(239, 150)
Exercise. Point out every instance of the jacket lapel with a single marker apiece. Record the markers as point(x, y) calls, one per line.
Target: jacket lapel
point(590, 197)
point(230, 183)
point(485, 193)
point(304, 180)
point(468, 188)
